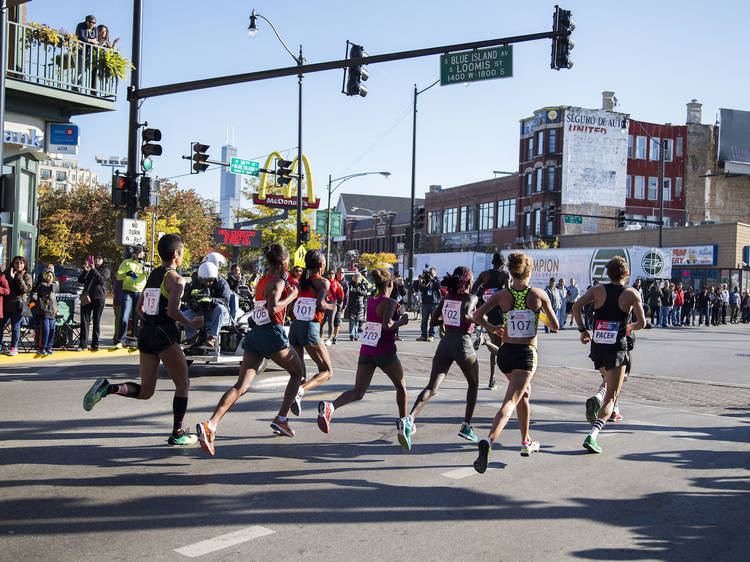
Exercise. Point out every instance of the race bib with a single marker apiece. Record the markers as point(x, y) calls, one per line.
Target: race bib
point(371, 333)
point(606, 331)
point(521, 324)
point(151, 301)
point(452, 313)
point(260, 313)
point(304, 308)
point(488, 293)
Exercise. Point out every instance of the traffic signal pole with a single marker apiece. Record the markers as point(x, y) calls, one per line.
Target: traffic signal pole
point(131, 208)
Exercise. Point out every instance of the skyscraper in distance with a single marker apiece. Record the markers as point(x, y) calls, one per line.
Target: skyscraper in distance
point(229, 195)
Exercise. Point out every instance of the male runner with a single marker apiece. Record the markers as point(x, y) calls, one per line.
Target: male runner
point(158, 340)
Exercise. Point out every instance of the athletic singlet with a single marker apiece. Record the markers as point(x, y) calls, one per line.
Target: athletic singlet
point(520, 322)
point(375, 340)
point(303, 305)
point(259, 316)
point(155, 297)
point(610, 322)
point(452, 314)
point(497, 280)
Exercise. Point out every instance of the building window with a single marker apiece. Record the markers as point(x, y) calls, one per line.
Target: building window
point(506, 213)
point(640, 183)
point(487, 216)
point(527, 224)
point(530, 148)
point(61, 185)
point(678, 188)
point(550, 178)
point(552, 140)
point(679, 147)
point(668, 146)
point(630, 146)
point(540, 143)
point(628, 186)
point(433, 222)
point(467, 218)
point(73, 177)
point(667, 186)
point(640, 148)
point(538, 222)
point(653, 188)
point(61, 175)
point(449, 220)
point(550, 225)
point(45, 173)
point(539, 179)
point(653, 153)
point(529, 183)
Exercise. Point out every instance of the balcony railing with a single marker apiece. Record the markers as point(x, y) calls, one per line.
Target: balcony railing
point(43, 56)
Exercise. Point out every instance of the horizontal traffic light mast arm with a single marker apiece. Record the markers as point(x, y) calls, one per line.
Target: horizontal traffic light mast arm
point(179, 87)
point(227, 164)
point(644, 221)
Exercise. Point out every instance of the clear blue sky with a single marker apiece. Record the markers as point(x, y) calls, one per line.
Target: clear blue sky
point(656, 56)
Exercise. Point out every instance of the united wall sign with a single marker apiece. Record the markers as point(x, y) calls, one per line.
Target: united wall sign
point(287, 200)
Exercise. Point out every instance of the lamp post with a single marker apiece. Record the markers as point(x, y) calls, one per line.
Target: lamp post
point(383, 217)
point(413, 185)
point(252, 29)
point(341, 180)
point(662, 147)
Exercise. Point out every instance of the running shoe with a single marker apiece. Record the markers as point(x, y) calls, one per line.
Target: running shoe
point(12, 351)
point(404, 432)
point(492, 385)
point(615, 417)
point(591, 444)
point(184, 440)
point(49, 352)
point(206, 437)
point(592, 409)
point(296, 406)
point(529, 447)
point(281, 427)
point(97, 391)
point(480, 465)
point(325, 412)
point(118, 345)
point(467, 433)
point(421, 338)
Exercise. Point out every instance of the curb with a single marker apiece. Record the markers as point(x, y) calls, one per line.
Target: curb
point(29, 357)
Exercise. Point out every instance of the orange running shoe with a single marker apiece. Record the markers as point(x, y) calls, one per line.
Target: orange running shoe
point(281, 427)
point(206, 437)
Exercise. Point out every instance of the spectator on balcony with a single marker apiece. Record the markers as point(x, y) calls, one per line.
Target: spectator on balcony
point(86, 34)
point(103, 38)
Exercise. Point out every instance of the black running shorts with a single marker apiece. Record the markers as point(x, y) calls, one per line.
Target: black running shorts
point(382, 361)
point(513, 356)
point(454, 346)
point(155, 338)
point(609, 359)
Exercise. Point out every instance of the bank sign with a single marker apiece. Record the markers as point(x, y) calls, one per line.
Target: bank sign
point(62, 138)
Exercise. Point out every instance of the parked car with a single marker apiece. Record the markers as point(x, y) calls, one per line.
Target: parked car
point(67, 278)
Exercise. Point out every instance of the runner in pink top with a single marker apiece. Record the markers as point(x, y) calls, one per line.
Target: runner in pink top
point(378, 350)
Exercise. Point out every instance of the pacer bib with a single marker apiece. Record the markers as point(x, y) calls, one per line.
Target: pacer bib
point(452, 313)
point(521, 324)
point(488, 293)
point(260, 313)
point(371, 333)
point(304, 308)
point(605, 331)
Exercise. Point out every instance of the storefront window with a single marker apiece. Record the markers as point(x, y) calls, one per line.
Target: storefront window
point(24, 198)
point(25, 247)
point(4, 247)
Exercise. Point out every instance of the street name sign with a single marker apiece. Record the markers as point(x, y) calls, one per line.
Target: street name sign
point(573, 219)
point(476, 65)
point(244, 167)
point(321, 217)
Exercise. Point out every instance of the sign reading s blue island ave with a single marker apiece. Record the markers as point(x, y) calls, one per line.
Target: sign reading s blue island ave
point(244, 167)
point(479, 64)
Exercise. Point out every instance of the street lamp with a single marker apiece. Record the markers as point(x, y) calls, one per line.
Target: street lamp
point(252, 29)
point(340, 180)
point(413, 185)
point(381, 216)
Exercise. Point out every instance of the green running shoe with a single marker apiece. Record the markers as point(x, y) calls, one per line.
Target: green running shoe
point(404, 432)
point(591, 444)
point(480, 465)
point(592, 409)
point(97, 391)
point(467, 433)
point(184, 440)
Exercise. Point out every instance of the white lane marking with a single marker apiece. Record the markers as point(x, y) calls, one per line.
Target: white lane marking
point(223, 541)
point(459, 473)
point(272, 382)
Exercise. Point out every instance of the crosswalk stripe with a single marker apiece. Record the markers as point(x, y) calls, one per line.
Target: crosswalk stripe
point(459, 473)
point(223, 541)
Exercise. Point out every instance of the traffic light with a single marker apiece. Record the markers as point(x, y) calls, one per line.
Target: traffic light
point(147, 197)
point(621, 218)
point(357, 74)
point(419, 219)
point(552, 213)
point(562, 45)
point(148, 147)
point(283, 171)
point(304, 233)
point(119, 190)
point(199, 157)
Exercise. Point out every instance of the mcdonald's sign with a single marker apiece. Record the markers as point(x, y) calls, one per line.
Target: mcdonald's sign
point(286, 201)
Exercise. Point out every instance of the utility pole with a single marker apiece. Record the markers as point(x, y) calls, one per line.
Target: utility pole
point(131, 209)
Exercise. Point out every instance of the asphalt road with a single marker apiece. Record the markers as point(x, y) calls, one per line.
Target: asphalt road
point(672, 482)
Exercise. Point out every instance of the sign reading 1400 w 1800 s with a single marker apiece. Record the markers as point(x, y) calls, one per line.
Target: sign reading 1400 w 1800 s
point(479, 64)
